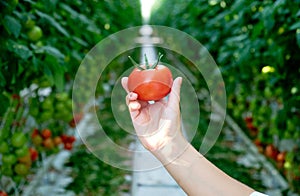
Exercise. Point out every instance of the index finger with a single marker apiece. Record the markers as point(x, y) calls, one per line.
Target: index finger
point(124, 82)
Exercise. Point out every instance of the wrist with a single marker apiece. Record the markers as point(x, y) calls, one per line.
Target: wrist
point(172, 150)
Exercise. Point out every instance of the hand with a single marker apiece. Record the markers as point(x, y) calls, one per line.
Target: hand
point(156, 124)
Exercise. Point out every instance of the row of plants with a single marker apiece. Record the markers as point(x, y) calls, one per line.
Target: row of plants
point(42, 44)
point(256, 46)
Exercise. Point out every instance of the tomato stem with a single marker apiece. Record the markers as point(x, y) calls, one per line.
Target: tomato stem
point(135, 64)
point(147, 63)
point(160, 55)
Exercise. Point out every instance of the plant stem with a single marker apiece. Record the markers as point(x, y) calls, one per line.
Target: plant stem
point(160, 55)
point(135, 64)
point(146, 60)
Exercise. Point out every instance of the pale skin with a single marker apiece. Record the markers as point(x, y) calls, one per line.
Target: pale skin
point(158, 128)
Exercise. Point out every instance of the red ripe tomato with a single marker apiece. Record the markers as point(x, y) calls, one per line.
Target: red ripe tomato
point(33, 154)
point(271, 151)
point(3, 193)
point(35, 133)
point(150, 82)
point(46, 133)
point(68, 146)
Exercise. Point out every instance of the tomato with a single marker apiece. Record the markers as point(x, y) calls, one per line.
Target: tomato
point(9, 159)
point(7, 170)
point(281, 157)
point(48, 143)
point(3, 193)
point(71, 139)
point(37, 140)
point(76, 119)
point(35, 133)
point(47, 104)
point(33, 154)
point(35, 33)
point(68, 146)
point(271, 151)
point(150, 82)
point(26, 160)
point(21, 169)
point(4, 148)
point(20, 152)
point(18, 139)
point(46, 133)
point(29, 23)
point(62, 96)
point(64, 138)
point(57, 140)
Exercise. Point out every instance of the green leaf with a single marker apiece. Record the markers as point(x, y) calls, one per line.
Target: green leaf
point(2, 80)
point(53, 22)
point(298, 37)
point(4, 103)
point(55, 72)
point(80, 41)
point(12, 26)
point(20, 50)
point(268, 18)
point(59, 79)
point(295, 26)
point(51, 51)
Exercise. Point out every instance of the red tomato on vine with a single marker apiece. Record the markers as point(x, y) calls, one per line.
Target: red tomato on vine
point(150, 82)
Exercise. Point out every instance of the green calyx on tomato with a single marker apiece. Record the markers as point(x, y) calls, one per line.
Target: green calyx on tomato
point(150, 82)
point(146, 62)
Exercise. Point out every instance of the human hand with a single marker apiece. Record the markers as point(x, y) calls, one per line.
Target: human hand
point(156, 124)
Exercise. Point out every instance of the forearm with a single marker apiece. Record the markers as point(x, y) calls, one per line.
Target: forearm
point(195, 174)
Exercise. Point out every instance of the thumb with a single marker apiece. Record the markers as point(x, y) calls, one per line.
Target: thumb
point(174, 97)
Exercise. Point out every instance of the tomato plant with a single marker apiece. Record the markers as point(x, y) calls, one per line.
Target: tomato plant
point(150, 82)
point(256, 45)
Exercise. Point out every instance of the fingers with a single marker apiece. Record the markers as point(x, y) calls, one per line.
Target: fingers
point(124, 83)
point(174, 97)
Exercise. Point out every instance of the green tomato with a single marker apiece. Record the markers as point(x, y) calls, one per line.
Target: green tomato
point(21, 169)
point(69, 104)
point(35, 33)
point(4, 148)
point(45, 116)
point(37, 140)
point(60, 107)
point(7, 170)
point(18, 139)
point(29, 24)
point(62, 96)
point(21, 152)
point(47, 103)
point(34, 111)
point(9, 159)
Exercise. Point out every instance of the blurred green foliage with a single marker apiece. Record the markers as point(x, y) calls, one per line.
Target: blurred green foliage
point(256, 45)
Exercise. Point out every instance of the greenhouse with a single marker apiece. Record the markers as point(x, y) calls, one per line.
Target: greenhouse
point(149, 97)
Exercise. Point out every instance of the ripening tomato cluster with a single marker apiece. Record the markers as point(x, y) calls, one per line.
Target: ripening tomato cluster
point(56, 107)
point(17, 157)
point(284, 161)
point(44, 139)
